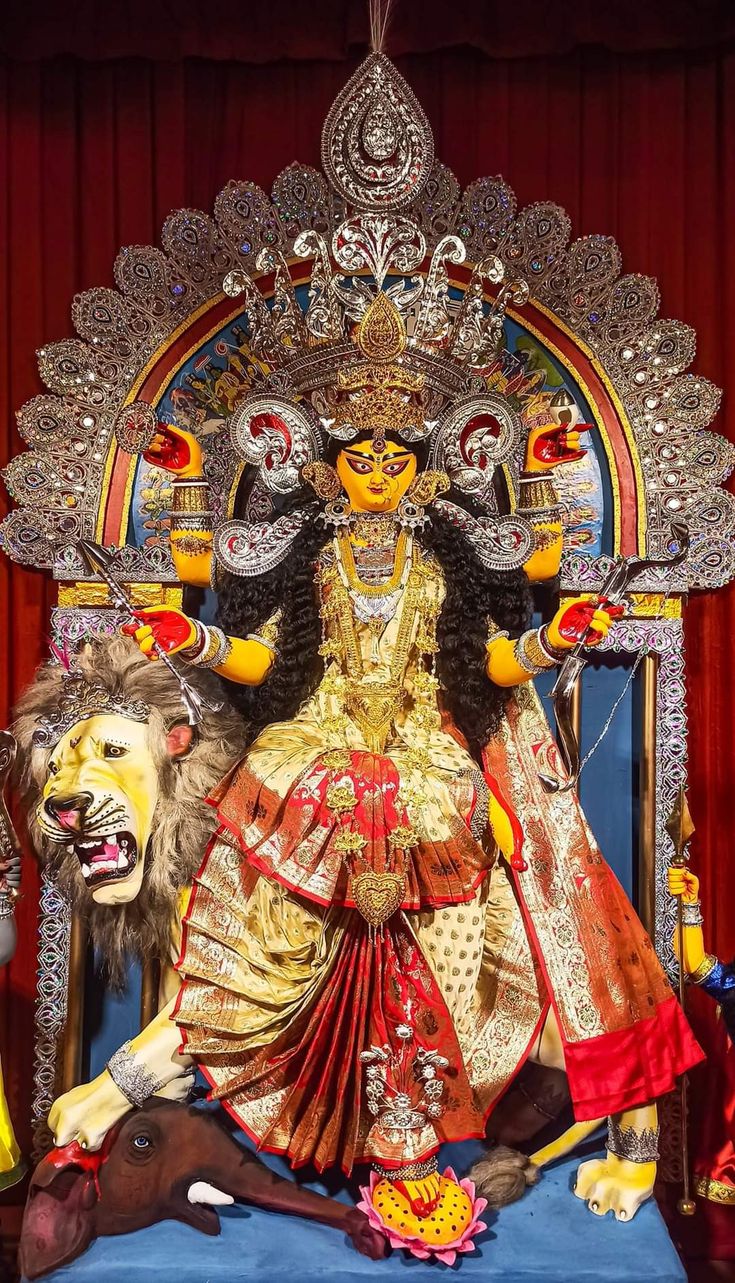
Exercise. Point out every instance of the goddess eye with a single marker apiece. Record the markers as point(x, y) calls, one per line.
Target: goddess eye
point(359, 465)
point(395, 469)
point(114, 750)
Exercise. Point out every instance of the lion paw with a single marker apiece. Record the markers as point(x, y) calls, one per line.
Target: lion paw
point(613, 1184)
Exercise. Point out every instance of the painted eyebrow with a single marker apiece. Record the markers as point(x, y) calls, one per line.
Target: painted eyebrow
point(387, 458)
point(113, 740)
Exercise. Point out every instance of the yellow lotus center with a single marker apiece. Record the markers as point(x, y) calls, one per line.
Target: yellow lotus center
point(448, 1221)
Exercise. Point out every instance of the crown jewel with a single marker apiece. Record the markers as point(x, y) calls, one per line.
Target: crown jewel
point(382, 395)
point(377, 145)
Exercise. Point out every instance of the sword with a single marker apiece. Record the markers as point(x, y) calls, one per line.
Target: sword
point(101, 562)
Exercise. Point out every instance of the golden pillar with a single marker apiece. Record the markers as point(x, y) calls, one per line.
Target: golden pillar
point(647, 779)
point(71, 1056)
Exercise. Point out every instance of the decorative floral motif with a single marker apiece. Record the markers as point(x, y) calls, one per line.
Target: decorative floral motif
point(447, 1253)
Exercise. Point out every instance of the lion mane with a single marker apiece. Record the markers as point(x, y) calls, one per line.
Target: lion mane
point(183, 822)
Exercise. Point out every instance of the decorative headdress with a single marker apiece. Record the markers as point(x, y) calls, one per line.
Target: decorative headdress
point(381, 395)
point(376, 349)
point(82, 699)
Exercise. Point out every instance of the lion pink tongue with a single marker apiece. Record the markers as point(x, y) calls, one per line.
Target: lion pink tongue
point(108, 852)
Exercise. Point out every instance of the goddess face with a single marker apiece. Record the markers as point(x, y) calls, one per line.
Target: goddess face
point(376, 481)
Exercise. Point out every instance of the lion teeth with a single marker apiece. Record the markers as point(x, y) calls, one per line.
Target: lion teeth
point(86, 871)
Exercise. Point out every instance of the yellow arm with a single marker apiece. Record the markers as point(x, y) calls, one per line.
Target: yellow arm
point(502, 666)
point(191, 551)
point(545, 560)
point(507, 661)
point(249, 662)
point(548, 447)
point(539, 503)
point(682, 882)
point(191, 508)
point(87, 1112)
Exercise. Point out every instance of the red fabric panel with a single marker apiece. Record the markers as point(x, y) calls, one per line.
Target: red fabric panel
point(259, 32)
point(630, 1067)
point(94, 155)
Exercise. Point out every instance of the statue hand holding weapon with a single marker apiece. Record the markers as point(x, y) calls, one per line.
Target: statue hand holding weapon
point(613, 591)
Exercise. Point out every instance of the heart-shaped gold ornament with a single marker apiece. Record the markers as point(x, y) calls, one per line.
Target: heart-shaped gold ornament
point(378, 896)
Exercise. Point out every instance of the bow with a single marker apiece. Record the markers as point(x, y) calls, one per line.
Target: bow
point(613, 590)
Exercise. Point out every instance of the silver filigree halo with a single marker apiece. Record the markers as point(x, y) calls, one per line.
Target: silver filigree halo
point(58, 483)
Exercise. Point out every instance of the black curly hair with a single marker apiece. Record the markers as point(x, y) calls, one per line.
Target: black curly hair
point(474, 594)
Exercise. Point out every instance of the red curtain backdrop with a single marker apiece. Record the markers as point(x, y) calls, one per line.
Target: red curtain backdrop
point(626, 118)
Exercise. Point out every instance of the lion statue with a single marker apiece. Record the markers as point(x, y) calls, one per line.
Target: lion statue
point(114, 783)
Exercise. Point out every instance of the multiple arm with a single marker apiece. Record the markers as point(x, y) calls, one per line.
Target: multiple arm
point(509, 663)
point(245, 660)
point(9, 884)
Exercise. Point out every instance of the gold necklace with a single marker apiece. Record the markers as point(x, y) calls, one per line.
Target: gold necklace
point(348, 569)
point(376, 529)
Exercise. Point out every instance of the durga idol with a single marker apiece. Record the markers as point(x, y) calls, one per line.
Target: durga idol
point(394, 915)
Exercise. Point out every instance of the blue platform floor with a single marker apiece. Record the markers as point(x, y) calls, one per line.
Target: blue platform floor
point(548, 1236)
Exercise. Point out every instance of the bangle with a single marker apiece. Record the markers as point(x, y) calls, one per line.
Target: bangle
point(700, 973)
point(532, 654)
point(268, 635)
point(537, 493)
point(191, 521)
point(216, 651)
point(691, 914)
point(555, 654)
point(494, 633)
point(210, 648)
point(131, 1078)
point(636, 1147)
point(190, 494)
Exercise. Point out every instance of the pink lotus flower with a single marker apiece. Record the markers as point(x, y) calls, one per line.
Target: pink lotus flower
point(448, 1252)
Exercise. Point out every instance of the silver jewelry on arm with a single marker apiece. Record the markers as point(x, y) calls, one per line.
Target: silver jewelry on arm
point(636, 1147)
point(131, 1077)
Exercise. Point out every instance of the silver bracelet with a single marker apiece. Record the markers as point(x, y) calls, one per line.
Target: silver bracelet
point(210, 648)
point(636, 1147)
point(263, 641)
point(192, 521)
point(130, 1077)
point(7, 905)
point(691, 914)
point(554, 654)
point(532, 655)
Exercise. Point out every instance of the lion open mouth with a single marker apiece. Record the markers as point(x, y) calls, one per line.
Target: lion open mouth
point(106, 859)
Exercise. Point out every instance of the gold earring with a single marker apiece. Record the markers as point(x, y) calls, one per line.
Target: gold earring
point(323, 479)
point(427, 486)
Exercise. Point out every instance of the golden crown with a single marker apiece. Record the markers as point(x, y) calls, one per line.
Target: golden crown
point(380, 393)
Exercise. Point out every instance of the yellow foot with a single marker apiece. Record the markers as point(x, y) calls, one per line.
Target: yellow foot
point(613, 1184)
point(450, 1216)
